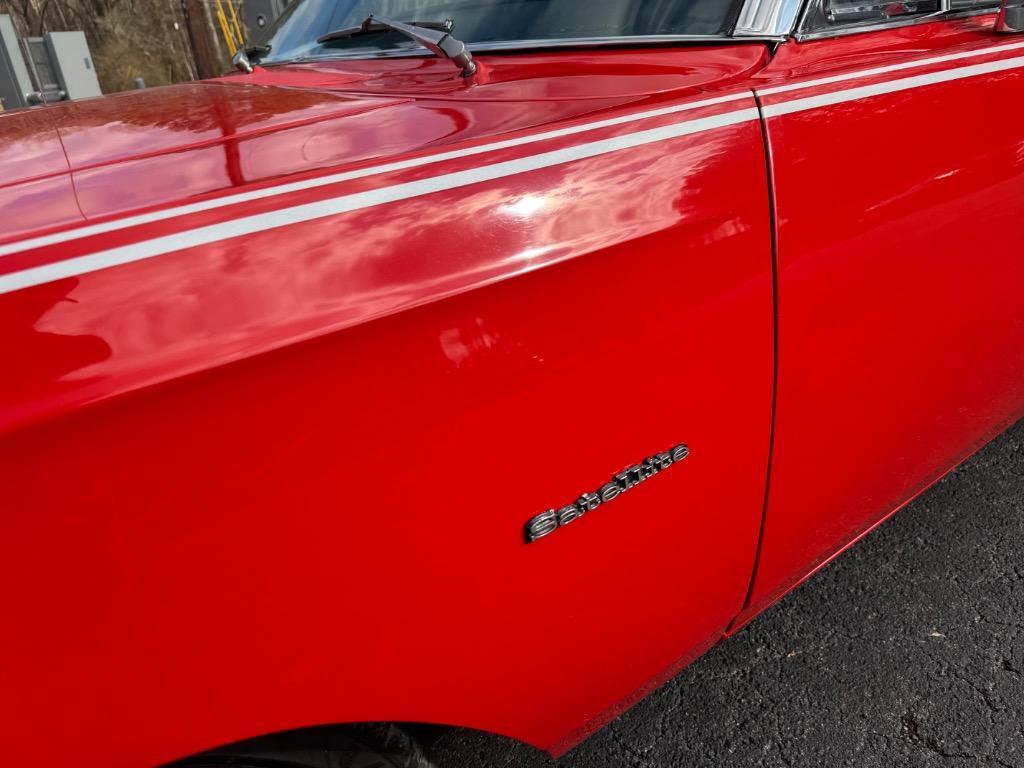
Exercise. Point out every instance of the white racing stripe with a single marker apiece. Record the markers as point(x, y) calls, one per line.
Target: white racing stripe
point(353, 202)
point(891, 86)
point(322, 181)
point(890, 68)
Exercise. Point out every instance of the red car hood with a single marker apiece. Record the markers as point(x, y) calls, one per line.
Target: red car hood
point(163, 145)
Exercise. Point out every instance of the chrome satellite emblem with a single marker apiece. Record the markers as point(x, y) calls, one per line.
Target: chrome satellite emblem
point(551, 520)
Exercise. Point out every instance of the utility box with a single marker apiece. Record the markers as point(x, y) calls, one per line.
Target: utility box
point(72, 63)
point(16, 86)
point(40, 70)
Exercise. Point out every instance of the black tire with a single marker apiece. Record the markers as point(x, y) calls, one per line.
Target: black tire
point(369, 745)
point(393, 746)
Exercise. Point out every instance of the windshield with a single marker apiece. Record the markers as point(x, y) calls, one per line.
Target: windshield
point(489, 21)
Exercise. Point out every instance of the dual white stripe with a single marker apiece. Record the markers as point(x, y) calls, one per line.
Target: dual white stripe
point(353, 202)
point(860, 74)
point(336, 178)
point(893, 86)
point(345, 203)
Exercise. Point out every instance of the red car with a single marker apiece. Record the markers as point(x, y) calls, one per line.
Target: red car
point(483, 374)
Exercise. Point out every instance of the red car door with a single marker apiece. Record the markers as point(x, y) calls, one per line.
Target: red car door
point(899, 187)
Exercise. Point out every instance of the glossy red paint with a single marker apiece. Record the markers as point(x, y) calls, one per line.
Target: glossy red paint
point(135, 151)
point(281, 480)
point(278, 478)
point(796, 62)
point(901, 334)
point(35, 186)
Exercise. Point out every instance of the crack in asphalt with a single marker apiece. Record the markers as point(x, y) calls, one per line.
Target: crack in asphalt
point(907, 651)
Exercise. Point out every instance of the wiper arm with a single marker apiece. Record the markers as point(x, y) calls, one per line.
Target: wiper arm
point(243, 59)
point(435, 36)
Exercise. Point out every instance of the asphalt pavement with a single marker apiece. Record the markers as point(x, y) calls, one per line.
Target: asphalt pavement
point(906, 651)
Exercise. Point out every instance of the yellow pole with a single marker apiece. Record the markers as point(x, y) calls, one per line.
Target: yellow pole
point(229, 39)
point(234, 18)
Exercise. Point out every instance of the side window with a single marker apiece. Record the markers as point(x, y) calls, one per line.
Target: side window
point(823, 17)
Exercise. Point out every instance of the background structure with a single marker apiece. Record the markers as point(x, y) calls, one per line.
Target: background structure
point(161, 41)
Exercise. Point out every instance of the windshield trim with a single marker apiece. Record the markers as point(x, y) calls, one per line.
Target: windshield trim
point(767, 17)
point(525, 45)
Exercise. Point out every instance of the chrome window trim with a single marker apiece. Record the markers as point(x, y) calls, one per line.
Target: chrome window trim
point(525, 45)
point(767, 18)
point(576, 42)
point(822, 34)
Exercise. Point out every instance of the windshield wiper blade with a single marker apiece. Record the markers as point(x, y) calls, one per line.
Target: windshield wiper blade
point(374, 24)
point(436, 36)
